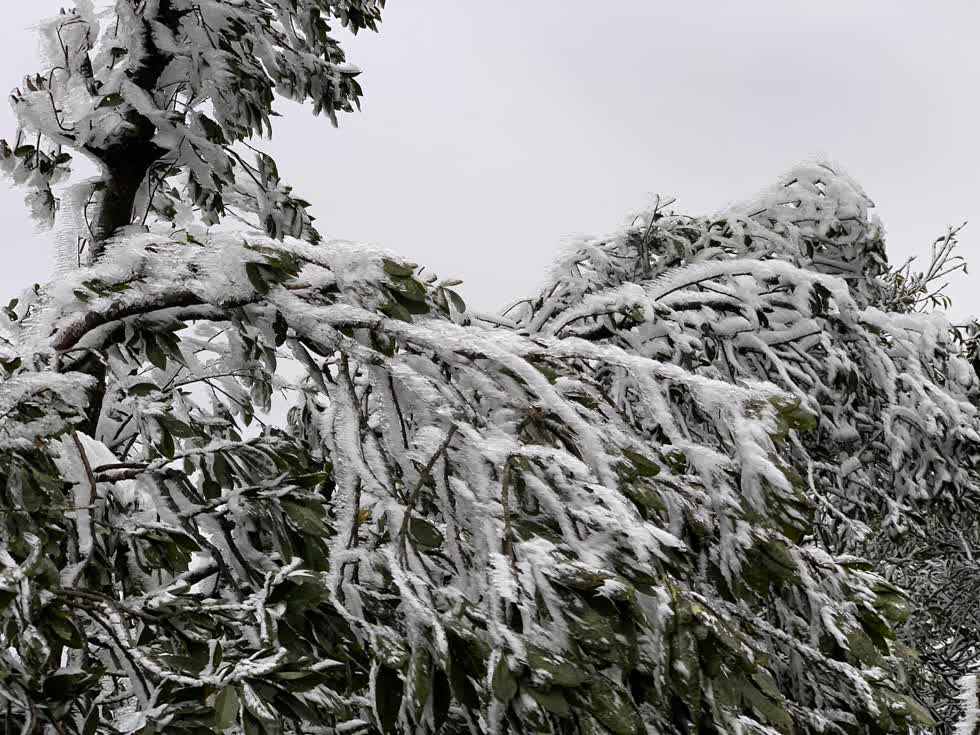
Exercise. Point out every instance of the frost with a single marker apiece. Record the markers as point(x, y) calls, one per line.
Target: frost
point(236, 457)
point(967, 725)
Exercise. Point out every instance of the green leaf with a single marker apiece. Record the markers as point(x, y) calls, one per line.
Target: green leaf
point(396, 311)
point(217, 655)
point(775, 561)
point(63, 686)
point(527, 529)
point(792, 416)
point(504, 682)
point(550, 373)
point(862, 647)
point(143, 389)
point(66, 631)
point(212, 130)
point(588, 725)
point(30, 411)
point(766, 683)
point(6, 597)
point(677, 461)
point(170, 344)
point(644, 467)
point(111, 100)
point(153, 351)
point(92, 720)
point(577, 576)
point(641, 493)
point(461, 657)
point(166, 445)
point(301, 681)
point(252, 725)
point(300, 593)
point(256, 704)
point(292, 707)
point(554, 669)
point(892, 606)
point(590, 627)
point(256, 277)
point(226, 708)
point(176, 427)
point(280, 328)
point(424, 533)
point(422, 680)
point(187, 543)
point(614, 708)
point(532, 716)
point(769, 707)
point(399, 270)
point(305, 518)
point(685, 671)
point(552, 700)
point(388, 690)
point(311, 480)
point(457, 301)
point(32, 495)
point(408, 289)
point(442, 698)
point(727, 691)
point(907, 708)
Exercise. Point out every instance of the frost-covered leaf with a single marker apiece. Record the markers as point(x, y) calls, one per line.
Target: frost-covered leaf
point(225, 708)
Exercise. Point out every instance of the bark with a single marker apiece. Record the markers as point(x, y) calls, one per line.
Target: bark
point(126, 164)
point(128, 160)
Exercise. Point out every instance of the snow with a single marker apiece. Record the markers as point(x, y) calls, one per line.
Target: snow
point(968, 724)
point(676, 341)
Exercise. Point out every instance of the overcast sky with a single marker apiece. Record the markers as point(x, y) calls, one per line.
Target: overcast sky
point(491, 131)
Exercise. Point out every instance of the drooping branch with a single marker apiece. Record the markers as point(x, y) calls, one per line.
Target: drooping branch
point(69, 335)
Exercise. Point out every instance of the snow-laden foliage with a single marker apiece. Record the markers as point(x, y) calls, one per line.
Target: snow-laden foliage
point(255, 484)
point(456, 527)
point(968, 724)
point(158, 92)
point(793, 288)
point(788, 289)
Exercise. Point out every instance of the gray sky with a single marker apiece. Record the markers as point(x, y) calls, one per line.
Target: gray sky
point(491, 131)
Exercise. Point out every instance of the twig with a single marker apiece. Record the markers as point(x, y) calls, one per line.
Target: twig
point(417, 490)
point(93, 494)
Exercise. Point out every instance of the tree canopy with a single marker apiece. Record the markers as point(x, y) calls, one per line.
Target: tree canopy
point(158, 92)
point(257, 482)
point(793, 288)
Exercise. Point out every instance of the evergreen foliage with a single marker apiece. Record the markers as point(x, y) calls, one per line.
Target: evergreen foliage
point(793, 288)
point(253, 482)
point(158, 92)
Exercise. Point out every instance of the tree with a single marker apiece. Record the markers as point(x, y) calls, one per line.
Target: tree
point(793, 288)
point(157, 92)
point(458, 527)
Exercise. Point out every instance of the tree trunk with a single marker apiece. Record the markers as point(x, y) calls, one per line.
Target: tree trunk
point(128, 160)
point(126, 164)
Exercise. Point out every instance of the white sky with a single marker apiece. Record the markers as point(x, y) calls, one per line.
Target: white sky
point(491, 131)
